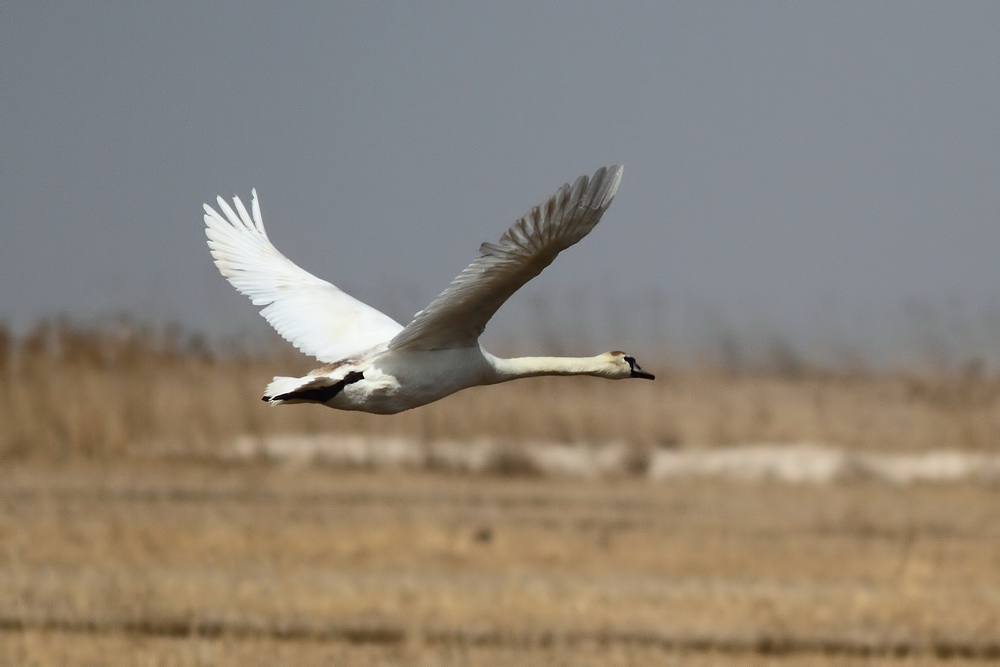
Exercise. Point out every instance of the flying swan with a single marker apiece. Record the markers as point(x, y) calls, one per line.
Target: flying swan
point(373, 364)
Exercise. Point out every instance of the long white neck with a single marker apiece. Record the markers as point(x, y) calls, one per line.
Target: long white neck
point(526, 367)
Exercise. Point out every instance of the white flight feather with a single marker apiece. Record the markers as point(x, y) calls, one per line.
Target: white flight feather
point(311, 314)
point(458, 316)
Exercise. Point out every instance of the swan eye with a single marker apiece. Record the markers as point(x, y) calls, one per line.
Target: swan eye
point(631, 363)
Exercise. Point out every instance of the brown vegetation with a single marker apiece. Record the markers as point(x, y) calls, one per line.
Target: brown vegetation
point(128, 541)
point(176, 564)
point(125, 389)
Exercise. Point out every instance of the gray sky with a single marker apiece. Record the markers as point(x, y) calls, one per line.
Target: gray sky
point(824, 170)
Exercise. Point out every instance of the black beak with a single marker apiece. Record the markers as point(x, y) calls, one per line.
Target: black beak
point(637, 371)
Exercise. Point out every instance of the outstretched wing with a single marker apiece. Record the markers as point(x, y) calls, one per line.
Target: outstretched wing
point(311, 314)
point(457, 317)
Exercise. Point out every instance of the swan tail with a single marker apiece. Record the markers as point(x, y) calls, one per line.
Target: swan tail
point(321, 389)
point(282, 389)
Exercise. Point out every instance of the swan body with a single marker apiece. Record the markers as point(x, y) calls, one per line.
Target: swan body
point(374, 364)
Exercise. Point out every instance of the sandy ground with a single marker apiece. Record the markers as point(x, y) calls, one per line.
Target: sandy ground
point(177, 563)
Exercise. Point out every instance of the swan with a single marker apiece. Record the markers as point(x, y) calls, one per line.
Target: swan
point(374, 364)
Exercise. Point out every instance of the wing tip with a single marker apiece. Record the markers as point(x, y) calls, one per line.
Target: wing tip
point(608, 179)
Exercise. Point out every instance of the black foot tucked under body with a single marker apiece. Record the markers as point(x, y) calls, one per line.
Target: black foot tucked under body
point(318, 394)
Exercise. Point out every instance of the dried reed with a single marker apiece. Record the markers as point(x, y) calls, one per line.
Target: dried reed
point(121, 388)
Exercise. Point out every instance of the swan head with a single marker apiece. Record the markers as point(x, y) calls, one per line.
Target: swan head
point(625, 366)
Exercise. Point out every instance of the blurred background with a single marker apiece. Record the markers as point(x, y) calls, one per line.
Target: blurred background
point(803, 249)
point(820, 174)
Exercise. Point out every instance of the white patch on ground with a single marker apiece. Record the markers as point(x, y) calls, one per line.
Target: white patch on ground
point(788, 463)
point(792, 463)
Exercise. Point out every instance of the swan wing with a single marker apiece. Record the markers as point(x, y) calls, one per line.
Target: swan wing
point(458, 316)
point(311, 314)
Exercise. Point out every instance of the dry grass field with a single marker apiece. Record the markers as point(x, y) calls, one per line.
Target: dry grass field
point(198, 564)
point(120, 390)
point(128, 539)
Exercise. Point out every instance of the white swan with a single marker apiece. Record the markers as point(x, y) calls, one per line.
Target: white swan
point(373, 363)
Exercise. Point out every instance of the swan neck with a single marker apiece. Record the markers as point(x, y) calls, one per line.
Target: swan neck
point(524, 367)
